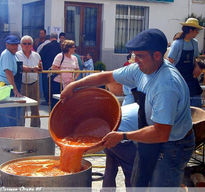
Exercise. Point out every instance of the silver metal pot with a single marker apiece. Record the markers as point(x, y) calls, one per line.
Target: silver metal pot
point(17, 142)
point(80, 179)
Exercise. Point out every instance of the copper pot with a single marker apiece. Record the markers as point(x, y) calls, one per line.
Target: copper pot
point(92, 112)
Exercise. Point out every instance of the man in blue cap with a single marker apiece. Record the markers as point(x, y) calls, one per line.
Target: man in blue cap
point(8, 63)
point(164, 117)
point(11, 74)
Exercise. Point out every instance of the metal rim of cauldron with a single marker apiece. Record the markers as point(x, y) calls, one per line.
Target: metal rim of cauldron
point(197, 109)
point(25, 139)
point(99, 176)
point(41, 157)
point(19, 141)
point(80, 179)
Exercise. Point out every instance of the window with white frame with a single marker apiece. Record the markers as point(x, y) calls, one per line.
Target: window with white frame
point(130, 20)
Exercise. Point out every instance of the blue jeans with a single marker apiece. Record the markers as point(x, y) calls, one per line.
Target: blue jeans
point(123, 154)
point(196, 101)
point(174, 155)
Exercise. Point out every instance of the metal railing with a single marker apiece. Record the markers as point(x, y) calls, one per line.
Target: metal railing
point(49, 73)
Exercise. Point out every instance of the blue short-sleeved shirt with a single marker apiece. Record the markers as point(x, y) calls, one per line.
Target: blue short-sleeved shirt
point(129, 120)
point(167, 96)
point(89, 65)
point(128, 98)
point(179, 45)
point(7, 61)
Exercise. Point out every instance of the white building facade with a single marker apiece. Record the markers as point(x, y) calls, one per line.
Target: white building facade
point(103, 26)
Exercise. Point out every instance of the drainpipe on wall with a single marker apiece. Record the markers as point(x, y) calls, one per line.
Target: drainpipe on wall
point(189, 7)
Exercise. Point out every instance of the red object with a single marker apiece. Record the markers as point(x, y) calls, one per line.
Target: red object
point(200, 184)
point(127, 63)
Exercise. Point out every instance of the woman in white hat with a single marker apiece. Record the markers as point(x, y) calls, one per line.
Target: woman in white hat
point(182, 54)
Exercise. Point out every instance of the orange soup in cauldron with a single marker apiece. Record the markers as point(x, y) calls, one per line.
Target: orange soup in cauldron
point(72, 150)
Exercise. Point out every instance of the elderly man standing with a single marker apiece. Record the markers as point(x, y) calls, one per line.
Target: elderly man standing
point(165, 137)
point(29, 87)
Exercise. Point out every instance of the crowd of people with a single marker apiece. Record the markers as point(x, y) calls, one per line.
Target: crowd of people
point(155, 139)
point(23, 58)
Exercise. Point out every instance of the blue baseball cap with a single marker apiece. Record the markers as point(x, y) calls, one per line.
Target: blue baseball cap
point(148, 40)
point(12, 39)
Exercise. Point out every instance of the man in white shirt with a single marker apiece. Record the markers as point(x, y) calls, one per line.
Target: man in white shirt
point(32, 60)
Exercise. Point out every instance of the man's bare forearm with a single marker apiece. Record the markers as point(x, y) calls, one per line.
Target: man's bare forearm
point(96, 79)
point(157, 133)
point(10, 78)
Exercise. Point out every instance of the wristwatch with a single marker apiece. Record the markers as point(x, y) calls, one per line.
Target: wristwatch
point(125, 136)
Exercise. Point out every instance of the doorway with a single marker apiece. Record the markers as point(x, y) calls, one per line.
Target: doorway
point(83, 25)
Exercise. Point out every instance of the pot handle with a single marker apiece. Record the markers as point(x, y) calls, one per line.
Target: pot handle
point(99, 178)
point(19, 152)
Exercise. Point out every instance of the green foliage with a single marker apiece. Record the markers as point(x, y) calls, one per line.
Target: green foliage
point(200, 18)
point(99, 65)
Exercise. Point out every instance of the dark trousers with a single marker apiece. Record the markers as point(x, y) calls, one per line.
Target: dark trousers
point(144, 165)
point(55, 89)
point(123, 154)
point(45, 86)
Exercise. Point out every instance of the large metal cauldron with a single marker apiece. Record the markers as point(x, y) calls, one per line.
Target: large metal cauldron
point(80, 179)
point(17, 142)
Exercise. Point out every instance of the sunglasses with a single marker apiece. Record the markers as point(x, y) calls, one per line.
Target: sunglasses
point(27, 43)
